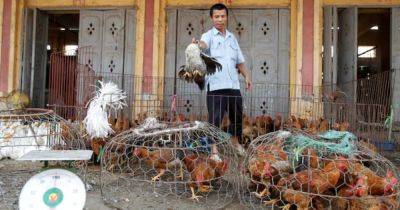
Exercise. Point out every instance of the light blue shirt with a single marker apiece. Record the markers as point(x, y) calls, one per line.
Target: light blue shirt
point(227, 51)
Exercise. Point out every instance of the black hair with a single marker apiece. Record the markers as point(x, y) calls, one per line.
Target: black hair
point(218, 7)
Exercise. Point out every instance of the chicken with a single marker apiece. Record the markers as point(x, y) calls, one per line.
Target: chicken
point(293, 122)
point(277, 122)
point(312, 128)
point(344, 126)
point(301, 200)
point(159, 159)
point(351, 189)
point(376, 185)
point(198, 65)
point(125, 124)
point(202, 171)
point(323, 125)
point(310, 158)
point(264, 124)
point(119, 124)
point(313, 180)
point(269, 163)
point(368, 202)
point(179, 118)
point(225, 123)
point(249, 132)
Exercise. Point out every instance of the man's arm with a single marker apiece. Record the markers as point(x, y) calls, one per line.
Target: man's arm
point(243, 70)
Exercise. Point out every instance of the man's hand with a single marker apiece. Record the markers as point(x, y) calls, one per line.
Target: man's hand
point(249, 84)
point(243, 70)
point(202, 44)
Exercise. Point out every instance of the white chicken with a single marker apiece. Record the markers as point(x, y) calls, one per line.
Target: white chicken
point(197, 66)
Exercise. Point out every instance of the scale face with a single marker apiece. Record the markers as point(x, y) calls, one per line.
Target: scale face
point(54, 189)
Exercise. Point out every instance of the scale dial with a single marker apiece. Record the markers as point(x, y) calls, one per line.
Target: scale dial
point(54, 189)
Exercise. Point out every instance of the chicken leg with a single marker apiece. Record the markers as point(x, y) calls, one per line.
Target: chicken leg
point(287, 207)
point(180, 176)
point(194, 196)
point(157, 177)
point(271, 202)
point(262, 193)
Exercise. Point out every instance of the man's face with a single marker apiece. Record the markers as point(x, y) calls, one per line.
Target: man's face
point(219, 19)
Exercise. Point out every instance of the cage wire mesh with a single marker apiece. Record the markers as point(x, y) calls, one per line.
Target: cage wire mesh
point(179, 160)
point(330, 170)
point(25, 130)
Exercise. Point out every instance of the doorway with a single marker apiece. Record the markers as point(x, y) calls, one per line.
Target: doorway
point(359, 61)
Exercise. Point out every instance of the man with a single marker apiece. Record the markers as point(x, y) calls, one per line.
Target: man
point(223, 89)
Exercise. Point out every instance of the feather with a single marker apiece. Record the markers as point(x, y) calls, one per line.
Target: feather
point(211, 63)
point(108, 97)
point(197, 66)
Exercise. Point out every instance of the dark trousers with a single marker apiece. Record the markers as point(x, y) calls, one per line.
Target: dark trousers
point(226, 101)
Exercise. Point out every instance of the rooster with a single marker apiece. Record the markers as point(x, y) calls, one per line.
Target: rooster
point(202, 171)
point(198, 65)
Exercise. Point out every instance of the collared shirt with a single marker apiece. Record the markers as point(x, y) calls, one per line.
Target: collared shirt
point(227, 51)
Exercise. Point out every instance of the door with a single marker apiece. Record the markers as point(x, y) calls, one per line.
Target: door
point(33, 72)
point(110, 36)
point(27, 51)
point(263, 36)
point(347, 49)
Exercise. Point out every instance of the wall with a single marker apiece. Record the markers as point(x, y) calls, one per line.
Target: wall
point(153, 62)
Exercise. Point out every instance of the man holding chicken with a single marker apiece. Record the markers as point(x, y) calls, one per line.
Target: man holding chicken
point(223, 88)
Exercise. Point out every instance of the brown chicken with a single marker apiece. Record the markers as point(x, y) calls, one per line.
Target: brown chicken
point(160, 160)
point(323, 125)
point(268, 163)
point(313, 180)
point(126, 124)
point(225, 123)
point(351, 189)
point(344, 126)
point(312, 128)
point(376, 185)
point(202, 171)
point(368, 202)
point(278, 122)
point(249, 132)
point(293, 122)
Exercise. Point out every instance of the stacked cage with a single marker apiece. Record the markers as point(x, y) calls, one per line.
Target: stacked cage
point(25, 130)
point(331, 170)
point(180, 160)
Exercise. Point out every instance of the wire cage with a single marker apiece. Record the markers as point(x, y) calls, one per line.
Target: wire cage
point(331, 170)
point(180, 160)
point(25, 130)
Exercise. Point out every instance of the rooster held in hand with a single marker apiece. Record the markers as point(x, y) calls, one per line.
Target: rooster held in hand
point(197, 66)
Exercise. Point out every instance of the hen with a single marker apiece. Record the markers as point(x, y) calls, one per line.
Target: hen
point(160, 159)
point(197, 66)
point(269, 163)
point(368, 202)
point(376, 185)
point(202, 171)
point(313, 180)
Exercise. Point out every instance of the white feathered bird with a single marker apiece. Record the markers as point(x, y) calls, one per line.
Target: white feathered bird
point(107, 97)
point(197, 66)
